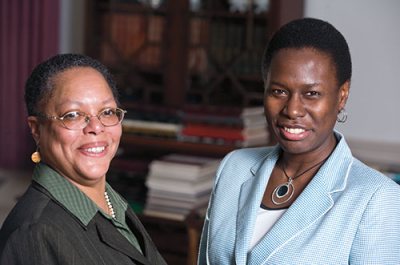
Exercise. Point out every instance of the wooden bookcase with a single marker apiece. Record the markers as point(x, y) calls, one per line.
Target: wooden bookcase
point(173, 54)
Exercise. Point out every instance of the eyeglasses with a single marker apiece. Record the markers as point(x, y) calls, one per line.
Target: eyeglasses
point(77, 120)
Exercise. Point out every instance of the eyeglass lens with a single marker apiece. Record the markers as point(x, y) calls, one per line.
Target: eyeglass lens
point(79, 120)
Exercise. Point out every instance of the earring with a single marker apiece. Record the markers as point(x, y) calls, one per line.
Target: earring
point(35, 157)
point(342, 116)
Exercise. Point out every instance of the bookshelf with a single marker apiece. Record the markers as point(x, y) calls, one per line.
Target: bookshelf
point(171, 54)
point(166, 145)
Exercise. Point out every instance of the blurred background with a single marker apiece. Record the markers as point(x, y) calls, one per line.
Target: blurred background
point(189, 75)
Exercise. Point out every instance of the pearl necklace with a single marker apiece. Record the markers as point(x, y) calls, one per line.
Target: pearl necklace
point(110, 207)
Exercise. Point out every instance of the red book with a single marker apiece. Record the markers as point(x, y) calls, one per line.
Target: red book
point(224, 132)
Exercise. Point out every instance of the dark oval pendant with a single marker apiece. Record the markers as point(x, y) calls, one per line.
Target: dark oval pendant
point(282, 191)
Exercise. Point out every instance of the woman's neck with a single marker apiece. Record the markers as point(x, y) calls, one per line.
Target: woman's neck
point(297, 162)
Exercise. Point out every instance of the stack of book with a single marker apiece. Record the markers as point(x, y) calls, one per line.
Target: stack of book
point(240, 127)
point(152, 121)
point(179, 184)
point(237, 127)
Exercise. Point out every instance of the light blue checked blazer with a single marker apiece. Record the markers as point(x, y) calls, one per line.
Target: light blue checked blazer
point(348, 214)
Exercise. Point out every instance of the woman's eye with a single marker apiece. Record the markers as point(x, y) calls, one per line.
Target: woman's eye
point(108, 112)
point(73, 115)
point(312, 93)
point(278, 92)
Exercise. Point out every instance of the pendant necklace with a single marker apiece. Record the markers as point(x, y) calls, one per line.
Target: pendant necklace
point(110, 207)
point(286, 190)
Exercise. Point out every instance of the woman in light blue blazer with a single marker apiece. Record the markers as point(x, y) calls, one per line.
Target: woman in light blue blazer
point(306, 200)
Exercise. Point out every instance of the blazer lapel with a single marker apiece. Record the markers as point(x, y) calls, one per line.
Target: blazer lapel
point(117, 241)
point(148, 247)
point(314, 202)
point(250, 198)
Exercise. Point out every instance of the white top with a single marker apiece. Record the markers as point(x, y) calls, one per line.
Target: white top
point(265, 220)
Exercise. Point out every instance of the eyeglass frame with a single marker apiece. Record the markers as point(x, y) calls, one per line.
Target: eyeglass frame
point(86, 116)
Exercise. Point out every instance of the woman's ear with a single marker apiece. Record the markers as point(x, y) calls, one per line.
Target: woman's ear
point(33, 123)
point(344, 91)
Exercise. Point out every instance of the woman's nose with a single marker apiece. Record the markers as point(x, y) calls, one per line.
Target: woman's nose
point(294, 107)
point(94, 125)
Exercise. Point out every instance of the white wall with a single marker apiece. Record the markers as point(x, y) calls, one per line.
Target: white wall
point(371, 28)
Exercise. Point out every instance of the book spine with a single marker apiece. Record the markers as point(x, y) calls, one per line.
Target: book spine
point(212, 131)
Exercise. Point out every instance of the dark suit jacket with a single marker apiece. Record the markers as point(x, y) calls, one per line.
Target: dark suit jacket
point(40, 231)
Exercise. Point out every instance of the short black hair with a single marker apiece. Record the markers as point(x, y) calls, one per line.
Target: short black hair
point(311, 33)
point(39, 85)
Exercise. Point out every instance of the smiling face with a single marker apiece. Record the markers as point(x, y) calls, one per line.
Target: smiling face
point(302, 100)
point(83, 156)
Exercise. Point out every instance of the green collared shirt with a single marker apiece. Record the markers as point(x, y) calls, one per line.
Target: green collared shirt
point(81, 206)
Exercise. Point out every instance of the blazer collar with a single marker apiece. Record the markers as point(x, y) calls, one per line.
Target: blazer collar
point(117, 241)
point(112, 237)
point(250, 197)
point(318, 197)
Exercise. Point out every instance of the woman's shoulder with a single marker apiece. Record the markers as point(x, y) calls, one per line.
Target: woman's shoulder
point(370, 178)
point(251, 154)
point(33, 210)
point(241, 161)
point(30, 218)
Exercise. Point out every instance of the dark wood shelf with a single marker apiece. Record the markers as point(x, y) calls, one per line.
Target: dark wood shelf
point(163, 232)
point(130, 8)
point(229, 14)
point(185, 235)
point(171, 145)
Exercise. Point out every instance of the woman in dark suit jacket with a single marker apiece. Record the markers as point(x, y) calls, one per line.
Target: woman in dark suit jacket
point(69, 214)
